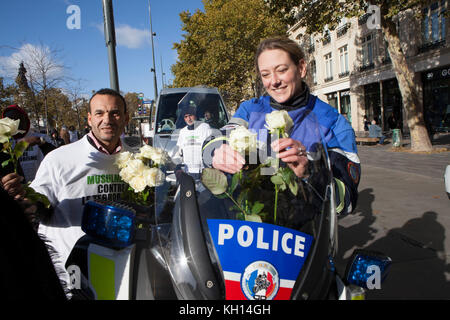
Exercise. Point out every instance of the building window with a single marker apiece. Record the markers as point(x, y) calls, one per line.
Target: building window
point(326, 38)
point(433, 22)
point(328, 67)
point(387, 56)
point(368, 44)
point(311, 44)
point(314, 71)
point(343, 61)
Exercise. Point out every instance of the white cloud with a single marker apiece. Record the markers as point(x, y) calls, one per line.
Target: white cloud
point(130, 37)
point(35, 58)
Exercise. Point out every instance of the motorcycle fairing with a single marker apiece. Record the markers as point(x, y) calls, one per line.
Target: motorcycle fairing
point(258, 260)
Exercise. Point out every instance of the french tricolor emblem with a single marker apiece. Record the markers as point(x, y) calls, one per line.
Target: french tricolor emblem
point(259, 260)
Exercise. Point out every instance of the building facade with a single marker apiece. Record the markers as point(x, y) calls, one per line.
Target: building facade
point(350, 67)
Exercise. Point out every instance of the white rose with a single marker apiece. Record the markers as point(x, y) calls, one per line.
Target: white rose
point(153, 177)
point(123, 158)
point(146, 152)
point(138, 183)
point(158, 156)
point(8, 128)
point(126, 174)
point(242, 139)
point(278, 120)
point(136, 167)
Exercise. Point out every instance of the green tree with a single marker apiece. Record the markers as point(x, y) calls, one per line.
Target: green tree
point(132, 100)
point(60, 110)
point(316, 15)
point(219, 46)
point(25, 97)
point(6, 94)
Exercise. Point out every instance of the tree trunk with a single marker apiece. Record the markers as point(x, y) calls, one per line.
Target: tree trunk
point(410, 88)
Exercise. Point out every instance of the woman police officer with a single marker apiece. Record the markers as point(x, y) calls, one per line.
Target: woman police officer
point(280, 64)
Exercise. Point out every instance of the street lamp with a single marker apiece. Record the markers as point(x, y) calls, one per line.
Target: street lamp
point(110, 38)
point(153, 52)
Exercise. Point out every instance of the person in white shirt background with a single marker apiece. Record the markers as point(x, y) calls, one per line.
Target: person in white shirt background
point(190, 141)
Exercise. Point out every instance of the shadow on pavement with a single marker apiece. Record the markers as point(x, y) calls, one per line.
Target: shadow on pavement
point(419, 267)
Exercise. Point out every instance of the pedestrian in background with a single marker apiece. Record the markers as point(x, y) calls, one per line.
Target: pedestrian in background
point(366, 124)
point(64, 134)
point(376, 132)
point(73, 134)
point(55, 138)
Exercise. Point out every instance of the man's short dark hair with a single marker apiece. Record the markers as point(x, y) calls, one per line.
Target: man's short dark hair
point(109, 92)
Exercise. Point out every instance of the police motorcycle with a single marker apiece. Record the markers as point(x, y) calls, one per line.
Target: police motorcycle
point(195, 244)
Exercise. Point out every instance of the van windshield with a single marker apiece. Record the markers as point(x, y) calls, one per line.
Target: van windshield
point(209, 108)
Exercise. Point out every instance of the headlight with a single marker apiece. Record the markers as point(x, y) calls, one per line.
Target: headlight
point(112, 225)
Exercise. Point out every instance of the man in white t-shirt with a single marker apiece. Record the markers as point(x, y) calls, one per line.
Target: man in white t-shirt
point(190, 141)
point(80, 171)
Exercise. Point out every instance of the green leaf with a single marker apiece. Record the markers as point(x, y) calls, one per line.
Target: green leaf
point(293, 186)
point(19, 149)
point(5, 163)
point(253, 217)
point(215, 180)
point(240, 216)
point(222, 196)
point(257, 207)
point(276, 179)
point(243, 196)
point(34, 196)
point(234, 182)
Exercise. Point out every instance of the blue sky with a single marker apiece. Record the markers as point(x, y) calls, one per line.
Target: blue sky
point(83, 51)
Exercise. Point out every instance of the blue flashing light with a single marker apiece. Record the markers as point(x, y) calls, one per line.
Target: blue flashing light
point(364, 265)
point(111, 225)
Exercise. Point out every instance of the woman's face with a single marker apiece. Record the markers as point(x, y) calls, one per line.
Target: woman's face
point(281, 78)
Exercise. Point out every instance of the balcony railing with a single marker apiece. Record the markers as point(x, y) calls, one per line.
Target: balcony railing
point(363, 19)
point(343, 74)
point(366, 67)
point(326, 40)
point(342, 30)
point(328, 79)
point(427, 46)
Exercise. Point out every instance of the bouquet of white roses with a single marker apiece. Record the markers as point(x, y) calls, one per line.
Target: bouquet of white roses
point(141, 172)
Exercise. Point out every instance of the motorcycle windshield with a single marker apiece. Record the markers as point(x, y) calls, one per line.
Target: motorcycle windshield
point(252, 234)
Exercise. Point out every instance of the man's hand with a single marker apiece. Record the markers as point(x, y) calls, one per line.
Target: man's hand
point(292, 152)
point(12, 183)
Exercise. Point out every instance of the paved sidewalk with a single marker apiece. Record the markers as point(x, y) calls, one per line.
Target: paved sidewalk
point(403, 211)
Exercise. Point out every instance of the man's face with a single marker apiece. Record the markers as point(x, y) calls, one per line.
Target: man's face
point(107, 119)
point(189, 119)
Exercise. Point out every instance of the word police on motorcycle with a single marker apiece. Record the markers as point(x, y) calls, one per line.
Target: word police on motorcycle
point(246, 237)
